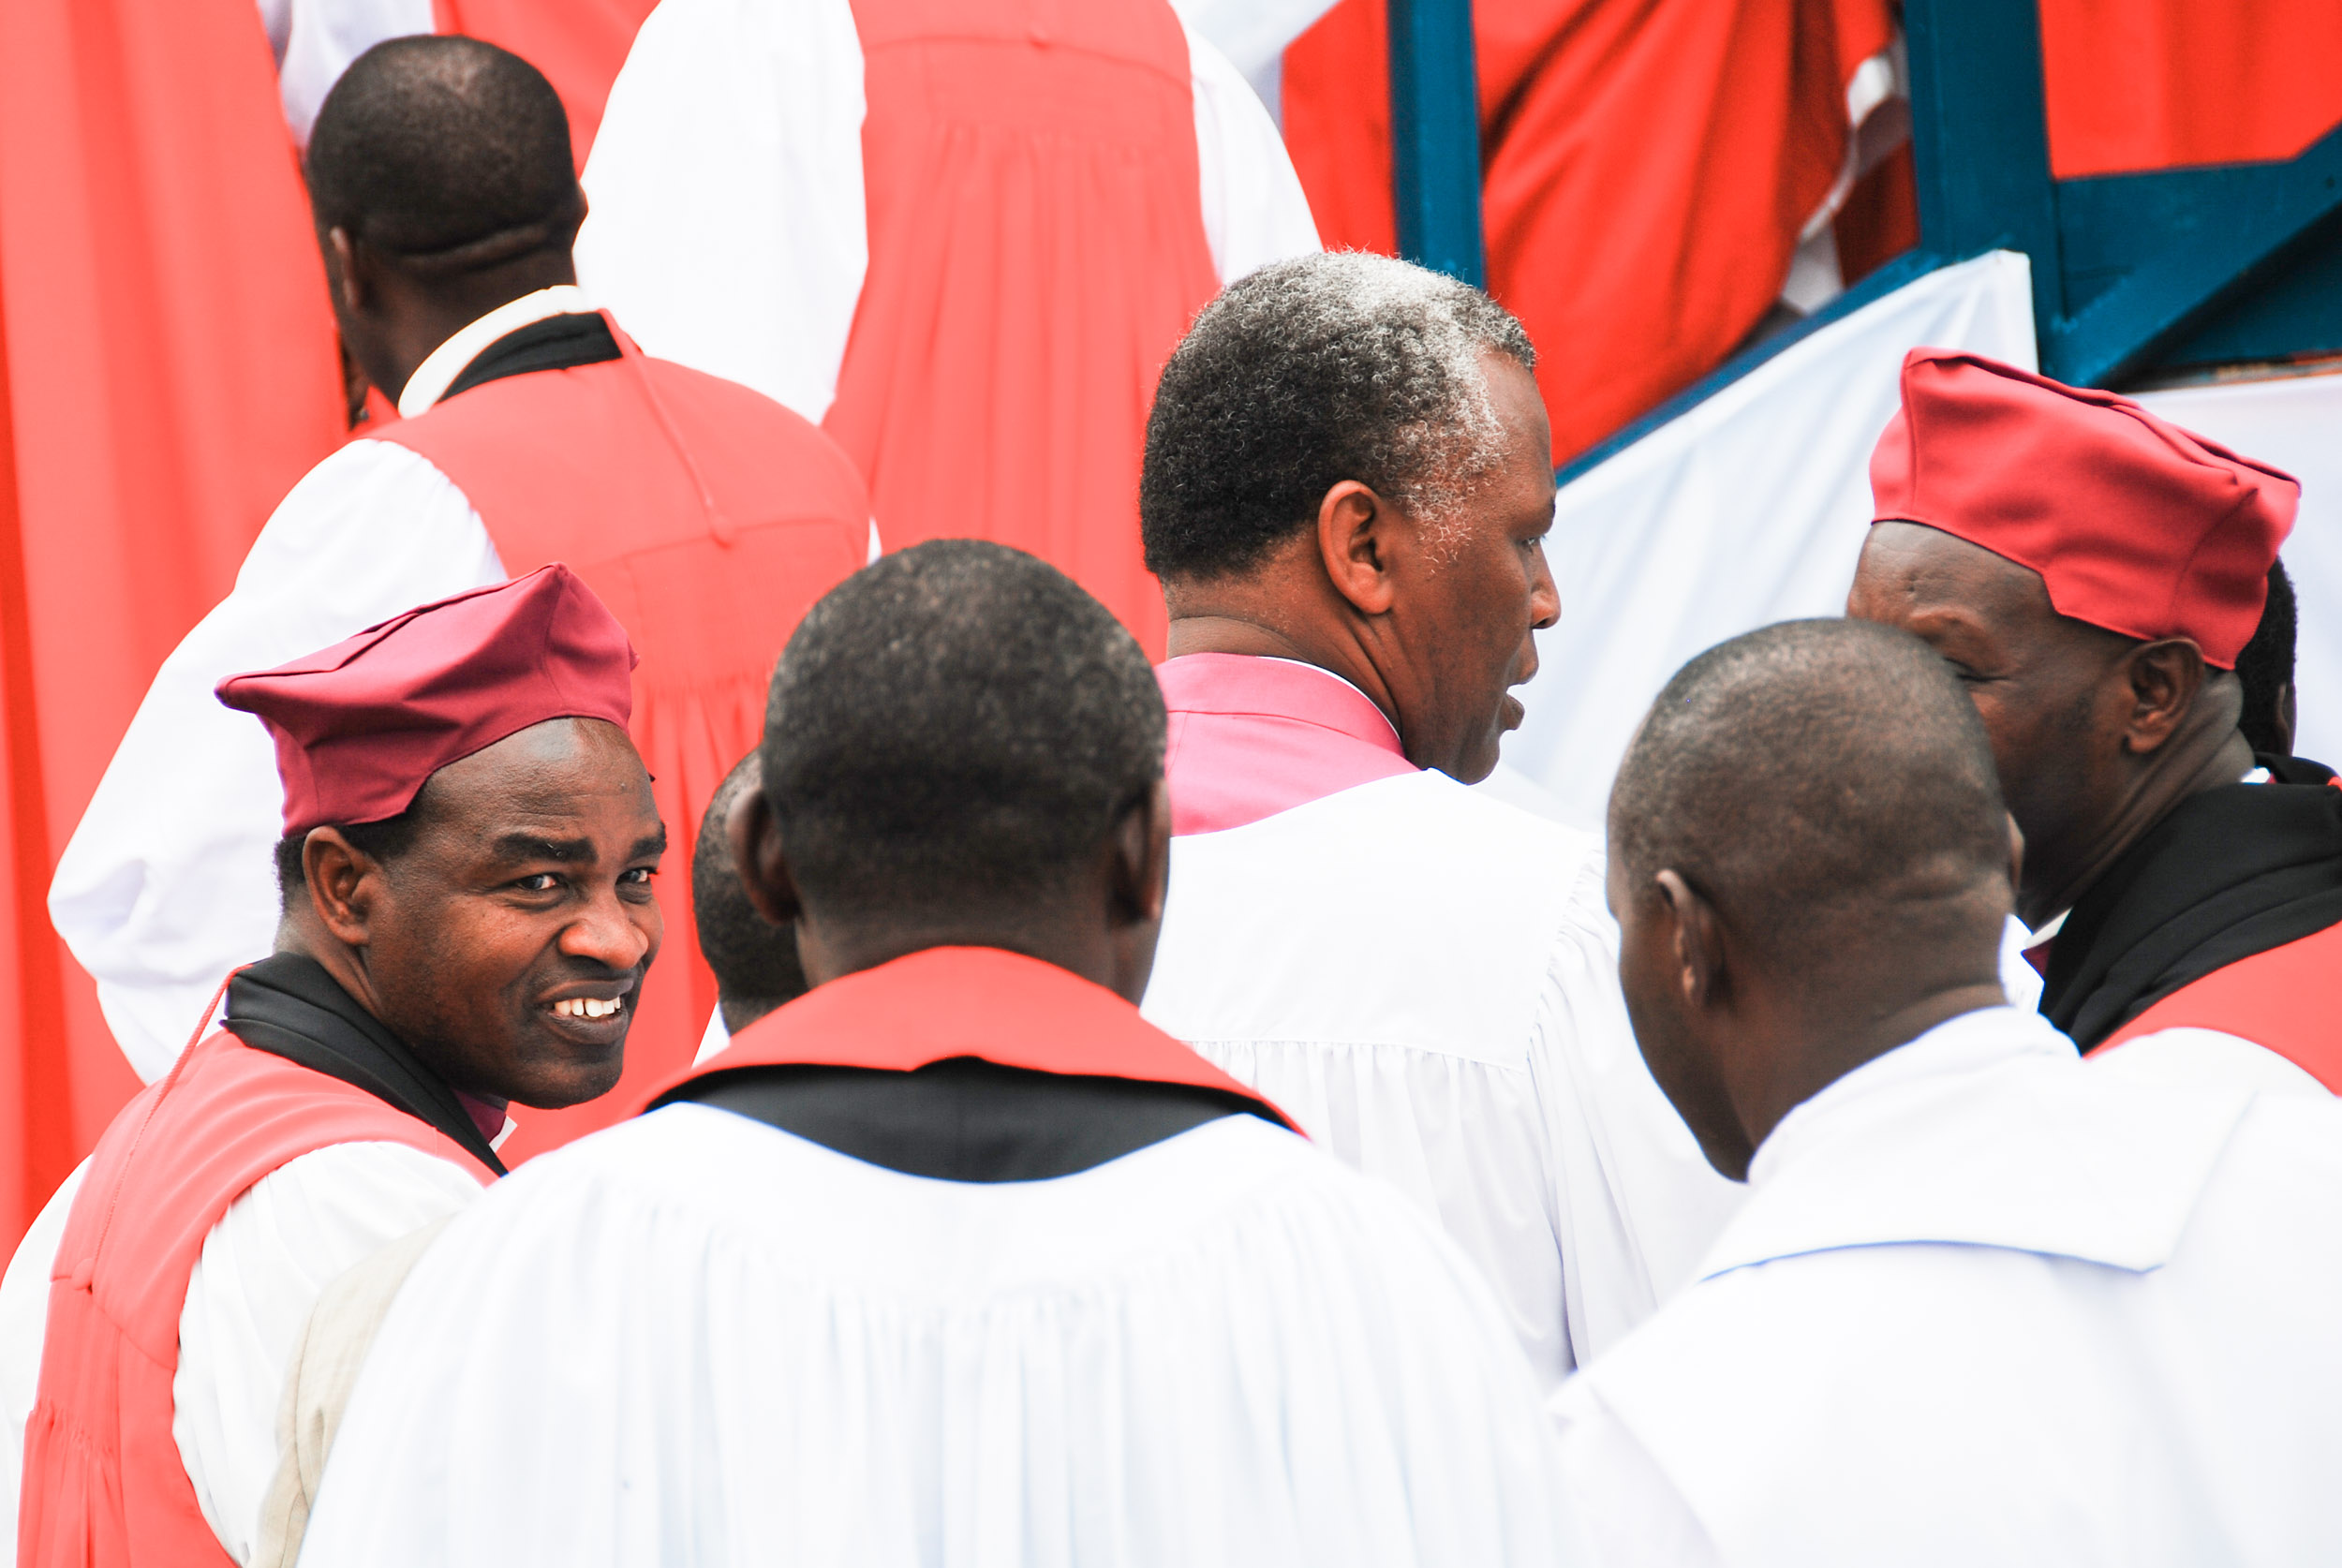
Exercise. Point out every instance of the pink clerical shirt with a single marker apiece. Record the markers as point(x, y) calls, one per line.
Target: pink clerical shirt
point(1250, 737)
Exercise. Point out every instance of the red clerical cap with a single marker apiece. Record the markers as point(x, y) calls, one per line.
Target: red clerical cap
point(2135, 525)
point(359, 726)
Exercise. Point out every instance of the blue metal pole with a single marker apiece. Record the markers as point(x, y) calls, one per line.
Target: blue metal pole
point(1435, 137)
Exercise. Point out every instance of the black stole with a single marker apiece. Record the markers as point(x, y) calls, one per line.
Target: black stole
point(2228, 873)
point(289, 1006)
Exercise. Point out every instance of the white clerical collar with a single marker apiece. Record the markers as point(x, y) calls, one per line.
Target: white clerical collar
point(437, 373)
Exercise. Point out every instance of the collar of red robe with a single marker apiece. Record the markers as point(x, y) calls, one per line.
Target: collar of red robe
point(947, 1002)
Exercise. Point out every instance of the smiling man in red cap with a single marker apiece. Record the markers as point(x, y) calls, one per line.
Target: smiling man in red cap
point(469, 838)
point(2092, 574)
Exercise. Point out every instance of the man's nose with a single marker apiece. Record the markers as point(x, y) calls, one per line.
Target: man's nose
point(1545, 599)
point(612, 932)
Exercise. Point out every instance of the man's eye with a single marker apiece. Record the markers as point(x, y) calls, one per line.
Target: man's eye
point(639, 875)
point(543, 882)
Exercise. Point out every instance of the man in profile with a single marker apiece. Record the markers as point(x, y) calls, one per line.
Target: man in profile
point(705, 515)
point(954, 1258)
point(1986, 1303)
point(1348, 489)
point(468, 846)
point(2095, 576)
point(754, 961)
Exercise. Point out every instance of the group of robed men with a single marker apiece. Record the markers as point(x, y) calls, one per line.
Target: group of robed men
point(957, 1256)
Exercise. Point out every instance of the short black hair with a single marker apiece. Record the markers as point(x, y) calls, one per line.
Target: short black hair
point(1815, 771)
point(755, 961)
point(1304, 374)
point(954, 726)
point(2265, 667)
point(446, 153)
point(384, 842)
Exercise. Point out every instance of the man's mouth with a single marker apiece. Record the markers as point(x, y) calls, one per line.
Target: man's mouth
point(1510, 713)
point(587, 1007)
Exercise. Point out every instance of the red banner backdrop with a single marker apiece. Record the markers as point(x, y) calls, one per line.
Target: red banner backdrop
point(167, 371)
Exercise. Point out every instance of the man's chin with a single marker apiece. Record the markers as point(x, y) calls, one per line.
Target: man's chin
point(558, 1083)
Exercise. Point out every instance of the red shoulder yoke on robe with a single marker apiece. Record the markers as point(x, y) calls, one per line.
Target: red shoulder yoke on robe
point(1037, 249)
point(945, 1002)
point(103, 1484)
point(709, 519)
point(2285, 1000)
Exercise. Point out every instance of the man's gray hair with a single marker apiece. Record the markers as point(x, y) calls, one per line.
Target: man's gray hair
point(1341, 366)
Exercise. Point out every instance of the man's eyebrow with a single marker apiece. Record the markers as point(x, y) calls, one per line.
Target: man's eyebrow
point(528, 845)
point(650, 845)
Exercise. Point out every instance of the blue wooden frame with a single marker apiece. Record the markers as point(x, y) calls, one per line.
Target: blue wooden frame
point(2132, 274)
point(1435, 137)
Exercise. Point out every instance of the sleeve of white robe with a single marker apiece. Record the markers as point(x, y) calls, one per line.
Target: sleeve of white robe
point(23, 1329)
point(1254, 211)
point(1637, 1202)
point(630, 1353)
point(726, 227)
point(262, 1269)
point(322, 38)
point(170, 882)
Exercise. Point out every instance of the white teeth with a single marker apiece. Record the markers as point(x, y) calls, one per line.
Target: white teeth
point(587, 1006)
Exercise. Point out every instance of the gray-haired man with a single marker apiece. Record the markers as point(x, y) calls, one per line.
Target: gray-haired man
point(1347, 487)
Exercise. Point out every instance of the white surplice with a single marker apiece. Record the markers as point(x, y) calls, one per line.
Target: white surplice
point(695, 1339)
point(728, 226)
point(1426, 980)
point(1990, 1304)
point(263, 1267)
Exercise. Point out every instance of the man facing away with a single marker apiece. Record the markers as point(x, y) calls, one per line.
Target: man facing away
point(961, 234)
point(2093, 575)
point(1347, 488)
point(706, 516)
point(953, 1259)
point(467, 848)
point(754, 961)
point(1986, 1303)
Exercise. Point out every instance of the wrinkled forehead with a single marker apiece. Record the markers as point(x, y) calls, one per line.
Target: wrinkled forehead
point(572, 768)
point(1908, 572)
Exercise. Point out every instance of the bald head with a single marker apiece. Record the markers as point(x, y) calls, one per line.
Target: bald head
point(447, 153)
point(1809, 864)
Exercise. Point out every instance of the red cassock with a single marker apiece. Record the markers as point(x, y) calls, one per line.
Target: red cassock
point(104, 1485)
point(708, 518)
point(1026, 178)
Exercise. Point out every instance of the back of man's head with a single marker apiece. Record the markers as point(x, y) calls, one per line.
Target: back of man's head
point(445, 154)
point(754, 961)
point(1828, 788)
point(956, 729)
point(1305, 373)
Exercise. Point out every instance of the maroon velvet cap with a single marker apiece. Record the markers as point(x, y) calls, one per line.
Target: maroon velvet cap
point(2135, 525)
point(359, 726)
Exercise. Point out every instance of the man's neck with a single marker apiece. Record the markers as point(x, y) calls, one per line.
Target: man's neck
point(1822, 1050)
point(1229, 629)
point(2156, 792)
point(424, 320)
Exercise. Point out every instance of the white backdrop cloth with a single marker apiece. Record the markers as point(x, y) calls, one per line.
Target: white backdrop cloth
point(2295, 424)
point(1748, 510)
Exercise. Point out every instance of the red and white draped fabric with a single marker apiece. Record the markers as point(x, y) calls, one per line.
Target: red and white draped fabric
point(578, 44)
point(964, 236)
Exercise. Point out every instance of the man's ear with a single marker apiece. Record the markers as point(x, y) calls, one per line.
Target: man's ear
point(344, 881)
point(353, 274)
point(753, 833)
point(1356, 529)
point(1699, 966)
point(1139, 859)
point(2165, 678)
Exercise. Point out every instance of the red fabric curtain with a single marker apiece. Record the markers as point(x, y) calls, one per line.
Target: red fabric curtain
point(2137, 84)
point(1648, 168)
point(167, 371)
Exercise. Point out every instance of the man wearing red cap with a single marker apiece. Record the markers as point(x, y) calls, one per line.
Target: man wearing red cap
point(706, 516)
point(2093, 573)
point(468, 843)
